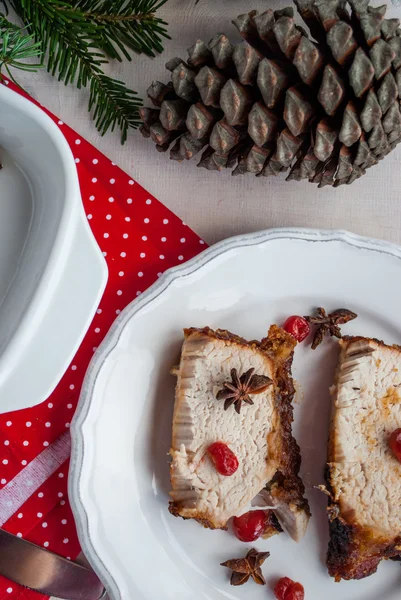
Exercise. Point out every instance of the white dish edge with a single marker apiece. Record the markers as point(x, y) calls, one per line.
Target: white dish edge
point(111, 340)
point(73, 221)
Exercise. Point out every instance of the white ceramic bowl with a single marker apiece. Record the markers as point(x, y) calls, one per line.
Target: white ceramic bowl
point(52, 273)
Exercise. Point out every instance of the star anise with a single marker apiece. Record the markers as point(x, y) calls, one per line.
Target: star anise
point(329, 323)
point(244, 568)
point(238, 389)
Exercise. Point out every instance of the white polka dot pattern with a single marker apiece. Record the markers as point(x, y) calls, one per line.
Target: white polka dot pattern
point(139, 238)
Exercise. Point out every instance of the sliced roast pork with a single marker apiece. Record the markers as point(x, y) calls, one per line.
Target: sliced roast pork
point(364, 478)
point(259, 435)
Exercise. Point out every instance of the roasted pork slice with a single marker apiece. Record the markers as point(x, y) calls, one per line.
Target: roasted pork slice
point(363, 476)
point(259, 435)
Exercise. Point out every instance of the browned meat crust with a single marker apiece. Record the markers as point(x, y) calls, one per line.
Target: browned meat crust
point(353, 551)
point(273, 527)
point(286, 486)
point(175, 509)
point(355, 338)
point(352, 554)
point(346, 557)
point(223, 334)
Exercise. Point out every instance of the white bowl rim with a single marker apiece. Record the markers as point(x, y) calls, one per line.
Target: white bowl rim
point(65, 229)
point(81, 515)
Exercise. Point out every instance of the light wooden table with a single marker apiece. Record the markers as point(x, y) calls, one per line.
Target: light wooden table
point(217, 205)
point(214, 204)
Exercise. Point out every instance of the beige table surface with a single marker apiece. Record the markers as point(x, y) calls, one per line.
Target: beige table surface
point(217, 205)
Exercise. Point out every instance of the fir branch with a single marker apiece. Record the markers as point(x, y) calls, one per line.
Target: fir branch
point(125, 25)
point(78, 36)
point(16, 46)
point(114, 105)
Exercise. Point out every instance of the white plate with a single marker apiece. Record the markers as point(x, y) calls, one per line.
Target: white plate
point(119, 474)
point(52, 273)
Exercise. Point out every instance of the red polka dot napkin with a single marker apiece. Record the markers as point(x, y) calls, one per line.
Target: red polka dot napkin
point(140, 238)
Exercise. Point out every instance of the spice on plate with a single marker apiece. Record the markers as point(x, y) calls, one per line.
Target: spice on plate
point(244, 568)
point(329, 323)
point(238, 390)
point(224, 459)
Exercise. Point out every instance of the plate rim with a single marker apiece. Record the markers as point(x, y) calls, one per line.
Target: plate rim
point(111, 340)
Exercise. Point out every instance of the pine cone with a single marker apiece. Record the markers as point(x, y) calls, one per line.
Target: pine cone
point(324, 109)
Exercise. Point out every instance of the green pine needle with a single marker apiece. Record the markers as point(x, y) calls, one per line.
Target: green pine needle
point(78, 37)
point(16, 46)
point(125, 25)
point(114, 105)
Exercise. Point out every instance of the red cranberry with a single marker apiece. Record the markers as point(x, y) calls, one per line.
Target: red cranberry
point(395, 443)
point(286, 589)
point(250, 526)
point(224, 459)
point(298, 327)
